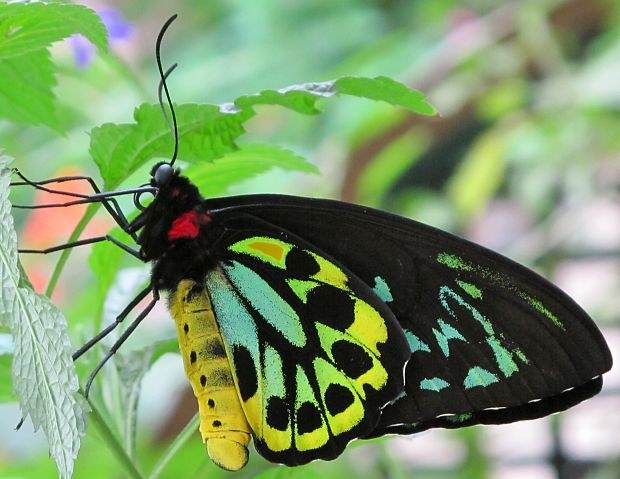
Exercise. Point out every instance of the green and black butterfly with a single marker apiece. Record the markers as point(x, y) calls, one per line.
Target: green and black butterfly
point(307, 323)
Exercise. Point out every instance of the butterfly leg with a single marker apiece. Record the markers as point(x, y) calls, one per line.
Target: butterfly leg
point(110, 204)
point(118, 320)
point(73, 244)
point(123, 337)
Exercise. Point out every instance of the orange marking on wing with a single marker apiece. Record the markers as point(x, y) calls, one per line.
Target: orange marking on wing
point(270, 249)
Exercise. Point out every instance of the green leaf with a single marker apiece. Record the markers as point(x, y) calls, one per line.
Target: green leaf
point(385, 89)
point(44, 377)
point(215, 178)
point(299, 98)
point(9, 272)
point(205, 133)
point(26, 93)
point(208, 132)
point(30, 27)
point(6, 358)
point(26, 69)
point(303, 98)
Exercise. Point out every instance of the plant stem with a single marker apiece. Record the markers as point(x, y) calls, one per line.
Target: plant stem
point(188, 431)
point(88, 215)
point(113, 444)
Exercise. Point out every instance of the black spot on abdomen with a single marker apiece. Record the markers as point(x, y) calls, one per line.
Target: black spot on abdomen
point(214, 349)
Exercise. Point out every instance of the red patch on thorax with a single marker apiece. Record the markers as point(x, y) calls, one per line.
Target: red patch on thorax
point(187, 225)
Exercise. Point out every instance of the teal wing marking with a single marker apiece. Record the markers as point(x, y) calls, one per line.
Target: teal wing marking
point(267, 302)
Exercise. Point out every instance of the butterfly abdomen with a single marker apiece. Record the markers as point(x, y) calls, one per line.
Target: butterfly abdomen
point(223, 425)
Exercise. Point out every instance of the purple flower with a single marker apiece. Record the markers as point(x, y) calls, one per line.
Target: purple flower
point(119, 29)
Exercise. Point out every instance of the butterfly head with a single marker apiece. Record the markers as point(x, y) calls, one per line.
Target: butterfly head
point(162, 174)
point(174, 192)
point(176, 198)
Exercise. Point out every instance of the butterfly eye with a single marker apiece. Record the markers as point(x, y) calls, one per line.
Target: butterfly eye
point(163, 174)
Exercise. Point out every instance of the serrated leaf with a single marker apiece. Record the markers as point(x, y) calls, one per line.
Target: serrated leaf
point(303, 98)
point(9, 306)
point(43, 373)
point(26, 69)
point(385, 89)
point(30, 27)
point(208, 132)
point(300, 98)
point(26, 93)
point(205, 133)
point(215, 178)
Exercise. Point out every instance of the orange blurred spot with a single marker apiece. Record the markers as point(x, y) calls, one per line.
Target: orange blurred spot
point(51, 226)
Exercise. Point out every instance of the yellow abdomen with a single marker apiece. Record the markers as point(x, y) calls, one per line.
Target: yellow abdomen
point(223, 425)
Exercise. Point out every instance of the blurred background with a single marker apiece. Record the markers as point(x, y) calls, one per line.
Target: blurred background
point(524, 159)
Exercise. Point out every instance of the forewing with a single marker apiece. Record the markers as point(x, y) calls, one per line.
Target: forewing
point(490, 340)
point(316, 353)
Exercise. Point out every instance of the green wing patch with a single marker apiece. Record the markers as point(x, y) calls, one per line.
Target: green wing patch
point(316, 353)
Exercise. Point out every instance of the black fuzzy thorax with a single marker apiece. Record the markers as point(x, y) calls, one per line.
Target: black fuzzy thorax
point(185, 258)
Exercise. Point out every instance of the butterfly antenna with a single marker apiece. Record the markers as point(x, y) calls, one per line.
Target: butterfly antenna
point(162, 85)
point(160, 97)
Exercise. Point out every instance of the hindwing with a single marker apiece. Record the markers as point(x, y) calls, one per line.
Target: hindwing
point(315, 352)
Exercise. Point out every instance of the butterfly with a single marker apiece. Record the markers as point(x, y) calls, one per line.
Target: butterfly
point(304, 324)
point(307, 323)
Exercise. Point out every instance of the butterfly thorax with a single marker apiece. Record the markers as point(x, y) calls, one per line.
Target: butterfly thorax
point(174, 233)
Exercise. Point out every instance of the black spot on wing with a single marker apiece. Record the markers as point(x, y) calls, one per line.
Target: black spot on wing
point(351, 358)
point(301, 264)
point(308, 418)
point(246, 372)
point(337, 398)
point(331, 306)
point(277, 413)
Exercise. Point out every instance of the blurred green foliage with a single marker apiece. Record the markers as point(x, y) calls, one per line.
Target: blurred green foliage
point(524, 158)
